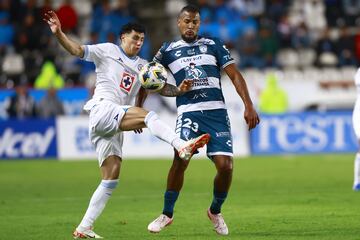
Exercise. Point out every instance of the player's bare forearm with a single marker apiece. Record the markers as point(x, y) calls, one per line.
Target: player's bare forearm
point(71, 46)
point(173, 91)
point(250, 115)
point(141, 97)
point(170, 91)
point(239, 84)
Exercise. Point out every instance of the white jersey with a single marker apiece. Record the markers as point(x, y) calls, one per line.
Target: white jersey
point(356, 112)
point(116, 73)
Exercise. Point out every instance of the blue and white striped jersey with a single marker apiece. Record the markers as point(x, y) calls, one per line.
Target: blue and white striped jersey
point(201, 61)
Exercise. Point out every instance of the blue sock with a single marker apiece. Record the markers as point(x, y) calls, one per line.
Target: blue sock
point(170, 198)
point(218, 200)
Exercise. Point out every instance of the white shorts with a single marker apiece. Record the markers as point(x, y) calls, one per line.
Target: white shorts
point(356, 119)
point(104, 120)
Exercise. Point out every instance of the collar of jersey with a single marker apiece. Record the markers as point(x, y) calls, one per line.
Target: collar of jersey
point(122, 50)
point(192, 43)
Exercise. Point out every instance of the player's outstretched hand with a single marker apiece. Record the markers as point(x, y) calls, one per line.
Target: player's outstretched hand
point(138, 131)
point(251, 117)
point(54, 23)
point(185, 86)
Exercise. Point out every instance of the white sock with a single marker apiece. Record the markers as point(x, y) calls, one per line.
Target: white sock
point(98, 202)
point(357, 169)
point(162, 131)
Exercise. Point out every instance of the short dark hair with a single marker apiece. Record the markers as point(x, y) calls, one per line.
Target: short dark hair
point(190, 8)
point(127, 28)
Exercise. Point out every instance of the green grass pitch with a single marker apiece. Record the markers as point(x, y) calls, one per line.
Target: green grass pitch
point(272, 197)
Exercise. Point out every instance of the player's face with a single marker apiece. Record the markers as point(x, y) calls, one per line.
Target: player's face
point(189, 23)
point(132, 42)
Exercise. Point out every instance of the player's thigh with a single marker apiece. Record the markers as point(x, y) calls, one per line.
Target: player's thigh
point(133, 119)
point(105, 118)
point(107, 146)
point(188, 125)
point(217, 124)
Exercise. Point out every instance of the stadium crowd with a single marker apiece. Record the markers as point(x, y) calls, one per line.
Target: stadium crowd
point(260, 34)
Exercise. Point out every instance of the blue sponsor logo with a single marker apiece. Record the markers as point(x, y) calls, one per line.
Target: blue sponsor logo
point(28, 139)
point(309, 132)
point(83, 143)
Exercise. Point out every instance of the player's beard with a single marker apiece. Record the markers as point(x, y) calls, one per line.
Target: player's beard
point(189, 39)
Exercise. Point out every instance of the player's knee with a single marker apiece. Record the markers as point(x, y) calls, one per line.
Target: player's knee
point(111, 168)
point(180, 165)
point(225, 167)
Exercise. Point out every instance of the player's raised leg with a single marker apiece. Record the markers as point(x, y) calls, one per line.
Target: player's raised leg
point(136, 118)
point(110, 170)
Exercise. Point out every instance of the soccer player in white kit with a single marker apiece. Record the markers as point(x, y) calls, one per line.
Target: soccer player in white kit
point(356, 125)
point(110, 112)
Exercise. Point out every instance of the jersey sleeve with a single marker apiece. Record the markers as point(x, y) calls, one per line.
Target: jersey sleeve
point(95, 52)
point(159, 56)
point(223, 54)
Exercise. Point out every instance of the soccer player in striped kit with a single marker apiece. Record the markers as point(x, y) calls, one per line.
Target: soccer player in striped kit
point(202, 110)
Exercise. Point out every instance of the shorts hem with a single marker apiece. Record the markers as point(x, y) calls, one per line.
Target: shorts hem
point(110, 154)
point(220, 153)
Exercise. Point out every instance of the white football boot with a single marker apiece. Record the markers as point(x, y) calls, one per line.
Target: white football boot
point(87, 233)
point(192, 145)
point(219, 223)
point(158, 224)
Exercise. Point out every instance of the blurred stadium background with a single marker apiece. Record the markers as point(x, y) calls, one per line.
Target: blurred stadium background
point(309, 49)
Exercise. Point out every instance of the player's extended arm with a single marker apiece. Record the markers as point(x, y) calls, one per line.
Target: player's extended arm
point(141, 97)
point(250, 115)
point(54, 23)
point(172, 91)
point(139, 102)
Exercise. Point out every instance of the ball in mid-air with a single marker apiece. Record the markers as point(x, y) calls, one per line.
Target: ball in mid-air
point(153, 76)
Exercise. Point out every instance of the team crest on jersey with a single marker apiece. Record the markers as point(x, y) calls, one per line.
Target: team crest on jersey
point(186, 133)
point(127, 82)
point(203, 48)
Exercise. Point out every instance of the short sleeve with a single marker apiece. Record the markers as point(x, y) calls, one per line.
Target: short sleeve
point(160, 54)
point(223, 54)
point(95, 52)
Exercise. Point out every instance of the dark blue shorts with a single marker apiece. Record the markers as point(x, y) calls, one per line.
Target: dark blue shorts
point(215, 122)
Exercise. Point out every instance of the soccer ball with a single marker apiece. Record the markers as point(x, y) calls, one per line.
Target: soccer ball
point(153, 76)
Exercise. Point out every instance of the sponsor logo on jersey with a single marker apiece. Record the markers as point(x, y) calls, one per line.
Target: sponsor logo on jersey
point(140, 66)
point(127, 82)
point(191, 51)
point(197, 74)
point(178, 53)
point(222, 134)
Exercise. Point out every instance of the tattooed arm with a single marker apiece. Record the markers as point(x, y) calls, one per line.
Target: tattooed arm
point(173, 91)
